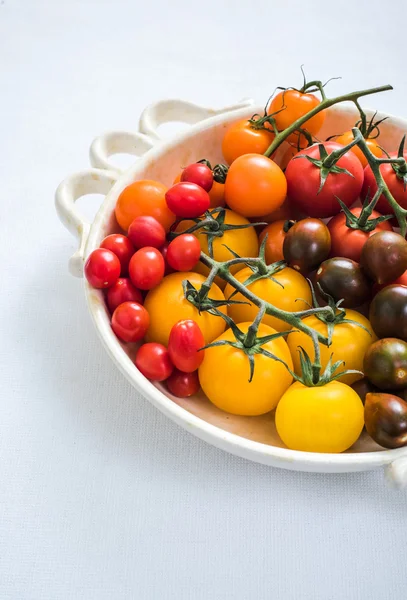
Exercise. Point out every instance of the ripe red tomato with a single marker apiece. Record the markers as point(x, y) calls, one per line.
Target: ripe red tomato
point(182, 384)
point(200, 174)
point(122, 291)
point(183, 252)
point(394, 183)
point(146, 231)
point(153, 361)
point(184, 344)
point(304, 181)
point(121, 246)
point(187, 200)
point(102, 269)
point(130, 321)
point(347, 242)
point(146, 268)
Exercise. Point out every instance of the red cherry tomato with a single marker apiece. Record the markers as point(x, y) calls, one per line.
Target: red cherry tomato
point(183, 252)
point(182, 384)
point(122, 291)
point(102, 269)
point(153, 361)
point(184, 345)
point(146, 231)
point(394, 183)
point(121, 246)
point(347, 242)
point(187, 200)
point(304, 181)
point(200, 174)
point(130, 321)
point(146, 268)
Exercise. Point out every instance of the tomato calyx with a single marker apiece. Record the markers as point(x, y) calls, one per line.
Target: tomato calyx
point(363, 222)
point(312, 374)
point(201, 301)
point(220, 171)
point(327, 163)
point(400, 167)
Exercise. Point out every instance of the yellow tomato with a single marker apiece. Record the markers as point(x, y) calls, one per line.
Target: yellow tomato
point(295, 288)
point(349, 344)
point(166, 305)
point(327, 418)
point(224, 375)
point(243, 241)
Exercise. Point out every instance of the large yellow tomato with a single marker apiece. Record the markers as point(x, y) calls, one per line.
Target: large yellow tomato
point(167, 305)
point(349, 343)
point(295, 288)
point(327, 418)
point(242, 241)
point(225, 370)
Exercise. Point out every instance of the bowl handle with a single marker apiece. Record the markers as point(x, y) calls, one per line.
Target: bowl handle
point(137, 144)
point(91, 181)
point(396, 472)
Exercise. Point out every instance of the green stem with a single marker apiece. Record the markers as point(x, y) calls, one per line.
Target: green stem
point(251, 334)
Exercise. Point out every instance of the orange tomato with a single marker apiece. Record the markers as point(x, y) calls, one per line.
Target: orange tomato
point(216, 193)
point(275, 239)
point(287, 211)
point(242, 138)
point(373, 146)
point(255, 186)
point(143, 198)
point(293, 105)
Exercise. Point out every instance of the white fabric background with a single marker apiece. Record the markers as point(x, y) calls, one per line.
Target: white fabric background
point(101, 497)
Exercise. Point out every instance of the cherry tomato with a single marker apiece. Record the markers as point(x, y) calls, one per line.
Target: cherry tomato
point(182, 384)
point(146, 268)
point(304, 182)
point(385, 364)
point(288, 211)
point(384, 256)
point(373, 146)
point(343, 279)
point(144, 197)
point(102, 269)
point(386, 419)
point(187, 200)
point(347, 242)
point(276, 233)
point(288, 106)
point(395, 184)
point(306, 244)
point(183, 252)
point(130, 321)
point(146, 231)
point(402, 280)
point(122, 247)
point(164, 251)
point(122, 291)
point(243, 138)
point(216, 193)
point(153, 361)
point(255, 185)
point(388, 312)
point(185, 341)
point(200, 174)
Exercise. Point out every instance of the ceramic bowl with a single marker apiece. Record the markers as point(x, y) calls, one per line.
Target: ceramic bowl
point(254, 438)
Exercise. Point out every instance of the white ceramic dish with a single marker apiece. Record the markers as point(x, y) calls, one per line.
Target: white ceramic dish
point(254, 438)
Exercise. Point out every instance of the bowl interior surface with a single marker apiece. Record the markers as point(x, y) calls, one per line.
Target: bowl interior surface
point(163, 164)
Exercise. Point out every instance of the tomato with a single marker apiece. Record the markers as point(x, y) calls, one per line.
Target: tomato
point(183, 252)
point(402, 280)
point(255, 185)
point(200, 174)
point(347, 137)
point(306, 244)
point(146, 231)
point(276, 233)
point(224, 375)
point(293, 296)
point(395, 184)
point(102, 269)
point(154, 362)
point(386, 419)
point(349, 344)
point(187, 200)
point(385, 364)
point(243, 138)
point(348, 242)
point(146, 268)
point(122, 247)
point(216, 193)
point(288, 106)
point(363, 387)
point(182, 384)
point(384, 256)
point(343, 279)
point(184, 343)
point(122, 291)
point(242, 241)
point(326, 418)
point(288, 211)
point(304, 181)
point(144, 197)
point(164, 251)
point(130, 321)
point(167, 305)
point(388, 312)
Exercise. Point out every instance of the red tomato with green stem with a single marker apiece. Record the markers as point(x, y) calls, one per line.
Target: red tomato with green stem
point(130, 321)
point(184, 345)
point(121, 246)
point(153, 361)
point(395, 178)
point(102, 269)
point(146, 268)
point(122, 291)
